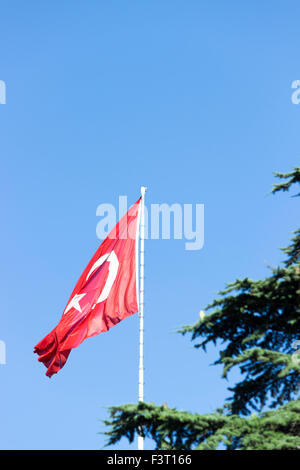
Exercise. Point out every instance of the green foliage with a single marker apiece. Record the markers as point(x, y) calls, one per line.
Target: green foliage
point(293, 251)
point(292, 178)
point(258, 321)
point(172, 429)
point(255, 324)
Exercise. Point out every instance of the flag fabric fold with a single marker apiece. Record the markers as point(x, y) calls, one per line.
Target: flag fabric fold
point(105, 294)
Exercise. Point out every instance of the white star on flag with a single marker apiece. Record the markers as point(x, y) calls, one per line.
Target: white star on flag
point(75, 302)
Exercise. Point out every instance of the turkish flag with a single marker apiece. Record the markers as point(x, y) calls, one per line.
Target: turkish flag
point(105, 294)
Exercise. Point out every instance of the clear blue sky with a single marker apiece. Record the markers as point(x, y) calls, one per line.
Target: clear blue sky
point(192, 99)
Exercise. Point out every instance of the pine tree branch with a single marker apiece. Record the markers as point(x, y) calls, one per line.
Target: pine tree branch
point(173, 429)
point(292, 178)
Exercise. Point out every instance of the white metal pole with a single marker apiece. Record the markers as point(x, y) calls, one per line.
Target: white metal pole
point(141, 312)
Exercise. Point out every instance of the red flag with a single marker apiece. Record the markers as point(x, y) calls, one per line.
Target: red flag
point(105, 294)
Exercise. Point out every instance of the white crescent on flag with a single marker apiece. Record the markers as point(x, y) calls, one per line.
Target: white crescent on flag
point(112, 273)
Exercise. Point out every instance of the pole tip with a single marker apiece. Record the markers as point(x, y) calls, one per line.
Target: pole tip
point(143, 190)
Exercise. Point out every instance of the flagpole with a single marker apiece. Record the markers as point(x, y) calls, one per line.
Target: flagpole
point(141, 312)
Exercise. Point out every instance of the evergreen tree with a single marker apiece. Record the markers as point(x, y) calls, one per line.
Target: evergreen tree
point(258, 325)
